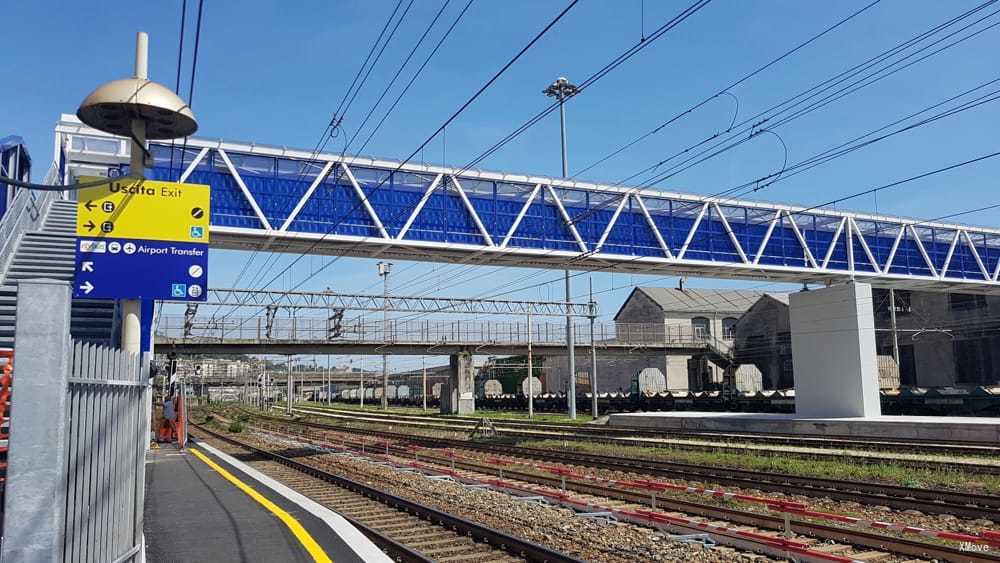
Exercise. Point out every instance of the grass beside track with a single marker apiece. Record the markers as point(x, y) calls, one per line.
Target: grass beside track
point(480, 413)
point(844, 470)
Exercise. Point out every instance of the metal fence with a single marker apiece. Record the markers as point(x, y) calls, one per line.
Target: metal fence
point(105, 447)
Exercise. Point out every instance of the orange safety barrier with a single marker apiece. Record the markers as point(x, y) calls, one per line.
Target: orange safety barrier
point(6, 380)
point(182, 417)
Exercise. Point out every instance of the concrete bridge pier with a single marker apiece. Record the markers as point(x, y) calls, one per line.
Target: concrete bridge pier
point(833, 352)
point(459, 395)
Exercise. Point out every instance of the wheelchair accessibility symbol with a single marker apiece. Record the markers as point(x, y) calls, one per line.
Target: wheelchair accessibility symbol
point(178, 290)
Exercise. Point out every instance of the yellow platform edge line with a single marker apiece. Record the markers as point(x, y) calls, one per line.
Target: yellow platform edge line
point(300, 533)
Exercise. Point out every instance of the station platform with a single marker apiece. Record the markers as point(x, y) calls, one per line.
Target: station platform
point(946, 429)
point(203, 505)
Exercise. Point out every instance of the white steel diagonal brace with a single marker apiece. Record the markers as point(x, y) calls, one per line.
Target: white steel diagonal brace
point(652, 226)
point(895, 247)
point(732, 235)
point(472, 211)
point(951, 252)
point(194, 164)
point(520, 215)
point(975, 254)
point(801, 239)
point(420, 205)
point(567, 219)
point(611, 224)
point(690, 235)
point(864, 246)
point(923, 252)
point(364, 201)
point(833, 242)
point(767, 236)
point(305, 197)
point(245, 190)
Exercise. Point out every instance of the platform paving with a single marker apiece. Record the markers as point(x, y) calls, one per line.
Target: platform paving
point(193, 514)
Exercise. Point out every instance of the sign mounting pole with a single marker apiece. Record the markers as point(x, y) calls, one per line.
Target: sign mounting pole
point(131, 336)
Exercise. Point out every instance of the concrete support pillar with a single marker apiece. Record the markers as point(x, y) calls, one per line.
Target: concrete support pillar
point(833, 352)
point(34, 507)
point(459, 395)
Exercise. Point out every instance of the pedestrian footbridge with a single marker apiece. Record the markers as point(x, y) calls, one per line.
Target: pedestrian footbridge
point(290, 200)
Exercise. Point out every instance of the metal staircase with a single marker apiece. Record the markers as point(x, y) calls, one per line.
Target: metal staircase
point(48, 252)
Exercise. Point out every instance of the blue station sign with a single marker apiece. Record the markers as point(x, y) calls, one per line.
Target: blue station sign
point(112, 268)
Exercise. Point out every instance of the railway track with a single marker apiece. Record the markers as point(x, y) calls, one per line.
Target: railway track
point(928, 501)
point(982, 449)
point(572, 434)
point(406, 530)
point(839, 540)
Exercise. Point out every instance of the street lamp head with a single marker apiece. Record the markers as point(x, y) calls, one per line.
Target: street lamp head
point(113, 107)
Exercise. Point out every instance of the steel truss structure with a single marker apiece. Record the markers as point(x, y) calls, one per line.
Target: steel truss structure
point(289, 200)
point(328, 300)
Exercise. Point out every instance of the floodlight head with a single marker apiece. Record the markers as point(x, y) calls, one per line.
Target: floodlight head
point(115, 106)
point(561, 88)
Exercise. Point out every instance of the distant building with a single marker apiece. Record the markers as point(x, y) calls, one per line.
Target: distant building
point(944, 339)
point(762, 337)
point(682, 313)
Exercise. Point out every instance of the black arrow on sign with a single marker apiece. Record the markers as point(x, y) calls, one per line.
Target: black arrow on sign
point(90, 225)
point(89, 205)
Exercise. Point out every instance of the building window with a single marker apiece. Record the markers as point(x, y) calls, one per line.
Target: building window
point(702, 327)
point(729, 328)
point(965, 301)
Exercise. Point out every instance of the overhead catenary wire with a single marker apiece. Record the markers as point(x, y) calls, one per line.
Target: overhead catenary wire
point(829, 154)
point(449, 120)
point(180, 59)
point(627, 54)
point(596, 76)
point(888, 185)
point(868, 63)
point(724, 90)
point(338, 115)
point(758, 121)
point(827, 84)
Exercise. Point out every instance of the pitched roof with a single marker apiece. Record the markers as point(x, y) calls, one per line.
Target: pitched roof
point(696, 300)
point(779, 297)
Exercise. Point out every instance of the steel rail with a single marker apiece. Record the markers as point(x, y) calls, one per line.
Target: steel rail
point(894, 496)
point(903, 445)
point(630, 441)
point(771, 522)
point(501, 540)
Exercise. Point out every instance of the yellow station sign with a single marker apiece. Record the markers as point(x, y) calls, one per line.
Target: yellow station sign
point(144, 209)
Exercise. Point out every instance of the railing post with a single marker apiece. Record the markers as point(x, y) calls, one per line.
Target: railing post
point(35, 503)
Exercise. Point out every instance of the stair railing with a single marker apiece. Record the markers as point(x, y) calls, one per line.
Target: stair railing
point(26, 213)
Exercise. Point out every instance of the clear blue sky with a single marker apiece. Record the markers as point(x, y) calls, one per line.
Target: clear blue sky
point(273, 72)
